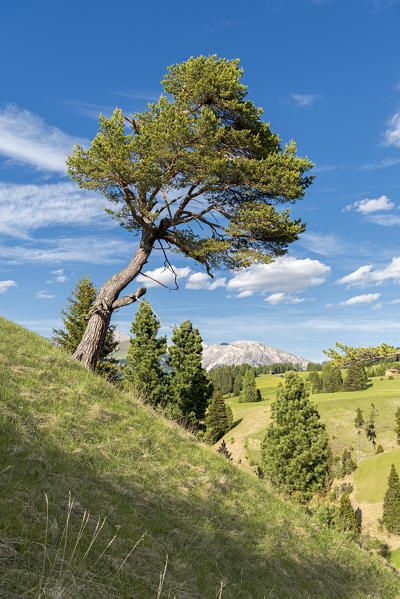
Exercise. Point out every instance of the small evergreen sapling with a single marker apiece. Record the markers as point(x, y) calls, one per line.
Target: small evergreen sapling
point(391, 503)
point(370, 429)
point(346, 516)
point(359, 423)
point(249, 393)
point(397, 425)
point(218, 421)
point(223, 450)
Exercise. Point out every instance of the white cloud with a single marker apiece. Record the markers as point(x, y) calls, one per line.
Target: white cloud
point(26, 138)
point(365, 275)
point(59, 277)
point(90, 250)
point(386, 220)
point(366, 206)
point(25, 208)
point(5, 285)
point(282, 298)
point(285, 275)
point(43, 294)
point(163, 276)
point(304, 100)
point(200, 280)
point(392, 133)
point(367, 298)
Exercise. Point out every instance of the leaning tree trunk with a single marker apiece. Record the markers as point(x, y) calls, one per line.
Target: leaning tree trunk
point(89, 349)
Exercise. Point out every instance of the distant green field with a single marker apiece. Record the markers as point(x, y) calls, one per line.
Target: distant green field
point(372, 474)
point(337, 411)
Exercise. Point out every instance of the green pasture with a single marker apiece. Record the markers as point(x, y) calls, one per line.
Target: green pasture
point(371, 476)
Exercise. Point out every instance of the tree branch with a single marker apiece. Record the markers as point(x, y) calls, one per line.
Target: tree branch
point(129, 299)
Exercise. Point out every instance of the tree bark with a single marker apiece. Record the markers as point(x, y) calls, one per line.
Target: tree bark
point(88, 350)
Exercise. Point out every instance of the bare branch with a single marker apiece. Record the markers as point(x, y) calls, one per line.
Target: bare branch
point(129, 299)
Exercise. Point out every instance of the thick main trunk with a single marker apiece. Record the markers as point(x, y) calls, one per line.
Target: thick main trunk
point(89, 349)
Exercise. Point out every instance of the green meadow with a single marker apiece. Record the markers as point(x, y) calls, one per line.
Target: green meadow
point(103, 497)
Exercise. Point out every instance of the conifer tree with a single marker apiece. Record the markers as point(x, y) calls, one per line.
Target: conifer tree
point(358, 423)
point(356, 378)
point(75, 320)
point(190, 389)
point(144, 374)
point(391, 503)
point(295, 450)
point(346, 516)
point(370, 429)
point(237, 385)
point(397, 425)
point(331, 378)
point(249, 393)
point(315, 381)
point(218, 419)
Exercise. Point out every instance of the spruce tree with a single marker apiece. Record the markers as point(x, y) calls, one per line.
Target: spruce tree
point(295, 449)
point(397, 425)
point(249, 393)
point(218, 419)
point(356, 378)
point(346, 516)
point(144, 374)
point(315, 381)
point(358, 423)
point(237, 385)
point(75, 320)
point(190, 389)
point(391, 503)
point(331, 378)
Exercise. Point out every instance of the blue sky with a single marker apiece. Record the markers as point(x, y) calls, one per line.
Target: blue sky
point(327, 74)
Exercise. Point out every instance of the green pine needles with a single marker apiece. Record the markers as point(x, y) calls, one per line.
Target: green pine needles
point(249, 393)
point(190, 388)
point(346, 516)
point(295, 449)
point(356, 378)
point(391, 503)
point(219, 418)
point(144, 374)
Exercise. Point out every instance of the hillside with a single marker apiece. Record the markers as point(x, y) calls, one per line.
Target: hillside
point(167, 500)
point(238, 352)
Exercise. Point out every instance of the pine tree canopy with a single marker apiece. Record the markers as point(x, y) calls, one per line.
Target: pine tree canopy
point(391, 503)
point(218, 419)
point(295, 449)
point(331, 378)
point(144, 373)
point(203, 137)
point(346, 517)
point(249, 393)
point(190, 389)
point(346, 355)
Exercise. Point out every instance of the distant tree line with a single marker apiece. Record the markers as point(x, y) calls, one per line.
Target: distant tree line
point(330, 380)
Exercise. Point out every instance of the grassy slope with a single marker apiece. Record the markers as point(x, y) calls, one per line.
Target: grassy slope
point(64, 430)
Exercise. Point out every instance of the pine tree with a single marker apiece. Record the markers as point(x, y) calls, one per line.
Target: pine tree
point(358, 423)
point(249, 393)
point(331, 378)
point(295, 450)
point(315, 381)
point(223, 450)
point(190, 389)
point(75, 320)
point(237, 385)
point(346, 517)
point(370, 429)
point(218, 419)
point(144, 374)
point(397, 425)
point(356, 378)
point(391, 503)
point(348, 465)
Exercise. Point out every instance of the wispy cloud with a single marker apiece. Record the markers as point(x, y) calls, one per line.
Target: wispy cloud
point(367, 275)
point(366, 298)
point(385, 163)
point(200, 280)
point(43, 294)
point(89, 250)
point(303, 100)
point(368, 206)
point(282, 298)
point(92, 111)
point(25, 208)
point(59, 276)
point(25, 137)
point(392, 133)
point(139, 95)
point(6, 285)
point(323, 244)
point(163, 276)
